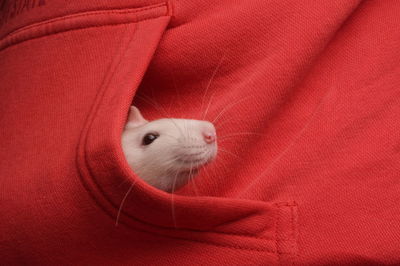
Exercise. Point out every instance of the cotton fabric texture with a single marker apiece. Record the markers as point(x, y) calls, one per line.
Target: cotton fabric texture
point(305, 95)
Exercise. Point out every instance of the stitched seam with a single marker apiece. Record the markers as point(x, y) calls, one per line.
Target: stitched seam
point(220, 245)
point(277, 213)
point(236, 247)
point(231, 246)
point(69, 30)
point(295, 233)
point(292, 254)
point(191, 239)
point(129, 216)
point(292, 234)
point(85, 14)
point(193, 230)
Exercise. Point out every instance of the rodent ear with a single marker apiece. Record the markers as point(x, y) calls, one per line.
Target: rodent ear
point(135, 118)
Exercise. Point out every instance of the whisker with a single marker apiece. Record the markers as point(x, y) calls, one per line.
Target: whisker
point(208, 106)
point(223, 122)
point(148, 100)
point(158, 107)
point(223, 164)
point(211, 79)
point(190, 171)
point(172, 201)
point(174, 84)
point(122, 202)
point(289, 146)
point(240, 134)
point(177, 93)
point(191, 178)
point(230, 106)
point(228, 152)
point(123, 182)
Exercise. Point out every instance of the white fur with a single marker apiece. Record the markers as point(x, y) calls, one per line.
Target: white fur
point(174, 157)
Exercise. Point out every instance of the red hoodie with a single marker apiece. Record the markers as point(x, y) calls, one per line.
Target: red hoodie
point(306, 97)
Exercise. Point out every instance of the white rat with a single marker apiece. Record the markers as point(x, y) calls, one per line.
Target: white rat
point(167, 152)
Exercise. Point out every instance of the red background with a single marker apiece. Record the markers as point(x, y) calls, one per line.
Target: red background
point(317, 82)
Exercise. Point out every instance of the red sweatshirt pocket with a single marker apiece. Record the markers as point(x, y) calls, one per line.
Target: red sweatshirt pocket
point(231, 223)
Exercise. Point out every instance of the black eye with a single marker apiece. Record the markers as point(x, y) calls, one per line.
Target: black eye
point(149, 138)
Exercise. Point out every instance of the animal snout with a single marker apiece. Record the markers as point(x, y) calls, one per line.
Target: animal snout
point(209, 136)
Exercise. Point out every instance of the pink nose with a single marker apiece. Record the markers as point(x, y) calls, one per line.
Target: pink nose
point(209, 136)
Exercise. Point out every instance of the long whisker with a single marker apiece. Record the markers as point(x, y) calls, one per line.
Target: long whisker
point(240, 134)
point(290, 145)
point(228, 152)
point(172, 201)
point(223, 122)
point(196, 191)
point(152, 103)
point(122, 202)
point(159, 108)
point(123, 182)
point(174, 84)
point(226, 169)
point(204, 170)
point(229, 107)
point(190, 171)
point(211, 79)
point(208, 106)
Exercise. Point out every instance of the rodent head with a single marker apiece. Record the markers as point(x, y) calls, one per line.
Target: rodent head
point(167, 152)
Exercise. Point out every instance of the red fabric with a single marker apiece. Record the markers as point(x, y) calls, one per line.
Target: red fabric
point(317, 81)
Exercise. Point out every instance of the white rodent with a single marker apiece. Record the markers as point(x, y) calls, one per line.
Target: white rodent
point(166, 153)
